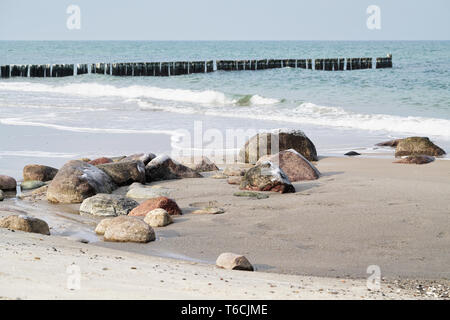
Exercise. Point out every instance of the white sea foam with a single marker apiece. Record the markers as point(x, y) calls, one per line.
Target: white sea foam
point(36, 154)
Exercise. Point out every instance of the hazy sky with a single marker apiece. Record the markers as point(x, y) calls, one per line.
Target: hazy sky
point(224, 20)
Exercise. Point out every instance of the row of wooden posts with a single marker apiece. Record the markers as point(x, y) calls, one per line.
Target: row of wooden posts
point(185, 67)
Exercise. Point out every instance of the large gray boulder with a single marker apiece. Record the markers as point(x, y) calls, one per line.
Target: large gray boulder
point(78, 180)
point(124, 172)
point(266, 177)
point(415, 146)
point(164, 168)
point(273, 142)
point(127, 229)
point(107, 205)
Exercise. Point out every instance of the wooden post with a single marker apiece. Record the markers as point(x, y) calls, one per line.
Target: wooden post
point(261, 64)
point(210, 66)
point(319, 64)
point(341, 64)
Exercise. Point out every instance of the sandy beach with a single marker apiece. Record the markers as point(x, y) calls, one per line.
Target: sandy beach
point(322, 238)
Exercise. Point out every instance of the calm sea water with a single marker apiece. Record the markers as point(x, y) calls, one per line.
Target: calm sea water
point(338, 110)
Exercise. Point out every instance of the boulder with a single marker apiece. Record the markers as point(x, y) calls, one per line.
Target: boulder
point(102, 225)
point(294, 165)
point(158, 218)
point(128, 229)
point(124, 172)
point(76, 181)
point(164, 168)
point(7, 183)
point(151, 204)
point(416, 160)
point(390, 143)
point(266, 177)
point(31, 184)
point(144, 157)
point(261, 144)
point(107, 205)
point(232, 261)
point(234, 170)
point(417, 146)
point(98, 161)
point(25, 223)
point(199, 164)
point(147, 192)
point(39, 172)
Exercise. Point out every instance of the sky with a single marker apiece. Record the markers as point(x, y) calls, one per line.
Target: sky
point(224, 20)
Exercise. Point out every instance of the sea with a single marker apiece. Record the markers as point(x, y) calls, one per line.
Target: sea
point(52, 120)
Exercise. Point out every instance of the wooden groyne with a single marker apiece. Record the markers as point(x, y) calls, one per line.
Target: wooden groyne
point(165, 69)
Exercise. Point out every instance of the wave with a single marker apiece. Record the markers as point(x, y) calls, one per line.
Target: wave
point(20, 122)
point(37, 154)
point(130, 93)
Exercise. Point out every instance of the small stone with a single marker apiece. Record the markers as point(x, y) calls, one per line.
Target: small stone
point(352, 153)
point(31, 184)
point(209, 210)
point(232, 261)
point(158, 218)
point(128, 229)
point(161, 202)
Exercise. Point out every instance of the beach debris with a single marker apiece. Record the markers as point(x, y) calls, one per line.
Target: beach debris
point(31, 184)
point(199, 164)
point(294, 165)
point(234, 180)
point(422, 159)
point(144, 157)
point(161, 202)
point(25, 223)
point(125, 229)
point(109, 205)
point(7, 183)
point(158, 218)
point(164, 168)
point(233, 261)
point(78, 180)
point(266, 177)
point(417, 146)
point(209, 210)
point(124, 173)
point(352, 154)
point(39, 172)
point(140, 191)
point(251, 194)
point(278, 140)
point(101, 160)
point(390, 143)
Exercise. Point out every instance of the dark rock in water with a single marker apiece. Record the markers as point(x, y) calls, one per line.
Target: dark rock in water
point(107, 205)
point(251, 194)
point(7, 183)
point(164, 168)
point(144, 157)
point(294, 165)
point(161, 202)
point(417, 146)
point(31, 184)
point(78, 180)
point(261, 144)
point(352, 153)
point(422, 159)
point(266, 177)
point(98, 161)
point(25, 223)
point(39, 172)
point(124, 173)
point(390, 143)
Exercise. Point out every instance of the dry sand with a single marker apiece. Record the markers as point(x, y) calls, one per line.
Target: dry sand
point(361, 212)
